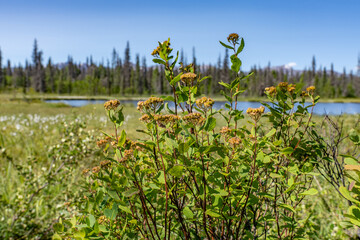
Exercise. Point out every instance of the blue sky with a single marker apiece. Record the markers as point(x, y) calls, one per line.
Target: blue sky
point(277, 31)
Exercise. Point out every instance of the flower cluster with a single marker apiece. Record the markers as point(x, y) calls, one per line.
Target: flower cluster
point(310, 89)
point(105, 164)
point(233, 38)
point(96, 169)
point(188, 78)
point(194, 118)
point(270, 90)
point(165, 44)
point(101, 143)
point(145, 118)
point(111, 105)
point(163, 120)
point(205, 103)
point(291, 88)
point(127, 155)
point(235, 141)
point(152, 103)
point(255, 113)
point(225, 130)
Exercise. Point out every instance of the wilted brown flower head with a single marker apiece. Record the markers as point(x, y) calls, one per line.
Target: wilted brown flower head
point(205, 103)
point(310, 89)
point(270, 90)
point(85, 171)
point(111, 105)
point(194, 118)
point(255, 113)
point(233, 38)
point(188, 78)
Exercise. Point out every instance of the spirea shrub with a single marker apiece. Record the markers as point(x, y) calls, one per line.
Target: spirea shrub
point(192, 178)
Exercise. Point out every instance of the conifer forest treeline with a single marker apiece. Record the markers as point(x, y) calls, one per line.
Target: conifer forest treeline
point(126, 76)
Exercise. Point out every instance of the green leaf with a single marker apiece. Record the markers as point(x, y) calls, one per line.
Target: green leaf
point(131, 192)
point(346, 194)
point(177, 171)
point(287, 207)
point(56, 237)
point(122, 139)
point(125, 209)
point(236, 63)
point(159, 61)
point(58, 227)
point(354, 213)
point(90, 221)
point(225, 45)
point(212, 214)
point(311, 191)
point(271, 133)
point(225, 85)
point(287, 150)
point(176, 79)
point(210, 124)
point(188, 213)
point(241, 47)
point(111, 213)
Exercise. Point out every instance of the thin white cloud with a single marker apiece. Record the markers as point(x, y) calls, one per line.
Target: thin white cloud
point(290, 65)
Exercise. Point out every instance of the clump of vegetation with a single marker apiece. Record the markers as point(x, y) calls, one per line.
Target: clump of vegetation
point(190, 180)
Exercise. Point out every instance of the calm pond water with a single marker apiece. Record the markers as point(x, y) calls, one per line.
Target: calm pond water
point(320, 108)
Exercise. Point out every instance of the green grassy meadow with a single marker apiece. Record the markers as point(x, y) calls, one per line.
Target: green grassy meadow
point(36, 138)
